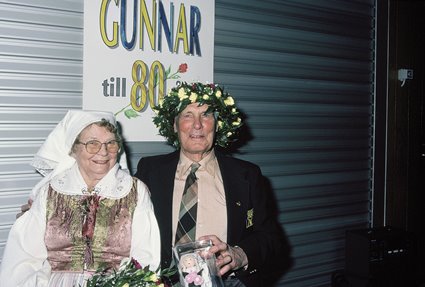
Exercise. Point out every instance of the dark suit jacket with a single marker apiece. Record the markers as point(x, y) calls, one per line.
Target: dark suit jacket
point(258, 236)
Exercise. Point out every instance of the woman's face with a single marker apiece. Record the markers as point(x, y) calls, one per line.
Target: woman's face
point(94, 167)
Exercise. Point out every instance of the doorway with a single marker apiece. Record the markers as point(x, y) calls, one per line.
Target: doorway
point(405, 179)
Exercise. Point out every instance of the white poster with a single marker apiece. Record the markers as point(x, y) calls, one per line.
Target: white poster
point(135, 51)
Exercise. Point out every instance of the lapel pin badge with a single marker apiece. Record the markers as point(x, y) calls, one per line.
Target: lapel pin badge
point(249, 218)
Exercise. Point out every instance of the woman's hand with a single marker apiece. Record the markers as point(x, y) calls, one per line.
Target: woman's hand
point(228, 257)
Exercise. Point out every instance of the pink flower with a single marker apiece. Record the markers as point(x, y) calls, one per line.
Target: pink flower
point(198, 280)
point(136, 263)
point(190, 277)
point(182, 68)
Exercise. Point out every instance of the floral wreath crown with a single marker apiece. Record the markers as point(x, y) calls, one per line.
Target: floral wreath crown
point(228, 119)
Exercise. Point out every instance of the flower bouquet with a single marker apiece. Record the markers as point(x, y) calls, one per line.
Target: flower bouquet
point(129, 274)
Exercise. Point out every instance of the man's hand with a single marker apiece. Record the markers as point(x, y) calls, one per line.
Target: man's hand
point(24, 208)
point(227, 257)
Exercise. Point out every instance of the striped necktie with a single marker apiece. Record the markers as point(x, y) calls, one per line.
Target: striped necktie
point(186, 228)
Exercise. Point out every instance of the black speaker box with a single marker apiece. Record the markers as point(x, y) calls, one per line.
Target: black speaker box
point(379, 257)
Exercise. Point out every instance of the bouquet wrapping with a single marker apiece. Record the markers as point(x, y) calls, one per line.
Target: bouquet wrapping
point(196, 266)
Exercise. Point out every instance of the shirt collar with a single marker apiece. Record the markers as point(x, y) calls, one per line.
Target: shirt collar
point(206, 164)
point(114, 184)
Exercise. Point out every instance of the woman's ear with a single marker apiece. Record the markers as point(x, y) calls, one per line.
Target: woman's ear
point(72, 154)
point(72, 151)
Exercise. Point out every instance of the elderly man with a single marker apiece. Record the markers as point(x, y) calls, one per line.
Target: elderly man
point(232, 205)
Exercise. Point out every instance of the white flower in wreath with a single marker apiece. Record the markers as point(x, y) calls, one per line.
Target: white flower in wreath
point(193, 97)
point(182, 94)
point(229, 101)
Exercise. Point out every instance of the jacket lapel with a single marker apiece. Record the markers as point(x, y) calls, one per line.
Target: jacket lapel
point(164, 173)
point(236, 188)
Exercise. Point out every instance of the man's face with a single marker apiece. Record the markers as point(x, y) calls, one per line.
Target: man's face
point(196, 130)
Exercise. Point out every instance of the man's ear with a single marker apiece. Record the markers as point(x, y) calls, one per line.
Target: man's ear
point(175, 124)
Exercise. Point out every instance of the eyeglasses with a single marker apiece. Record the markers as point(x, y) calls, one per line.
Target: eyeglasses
point(94, 146)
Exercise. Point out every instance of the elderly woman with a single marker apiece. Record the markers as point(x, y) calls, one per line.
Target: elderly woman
point(87, 213)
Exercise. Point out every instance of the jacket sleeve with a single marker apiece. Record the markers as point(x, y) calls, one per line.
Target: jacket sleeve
point(264, 241)
point(141, 172)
